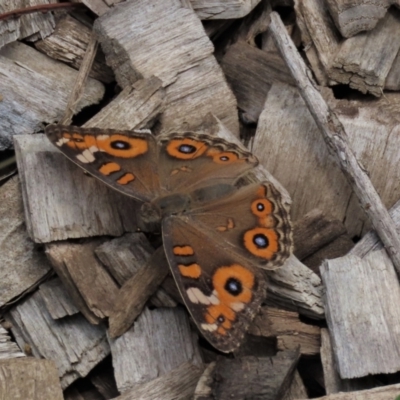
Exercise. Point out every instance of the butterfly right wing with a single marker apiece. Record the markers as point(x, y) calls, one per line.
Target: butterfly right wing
point(125, 160)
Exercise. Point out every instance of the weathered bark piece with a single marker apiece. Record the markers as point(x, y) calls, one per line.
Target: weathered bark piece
point(338, 143)
point(72, 343)
point(297, 389)
point(295, 287)
point(364, 61)
point(288, 329)
point(133, 295)
point(68, 43)
point(29, 378)
point(58, 302)
point(380, 393)
point(320, 37)
point(35, 89)
point(138, 44)
point(222, 9)
point(84, 276)
point(160, 340)
point(314, 231)
point(364, 322)
point(265, 378)
point(352, 17)
point(22, 266)
point(251, 72)
point(8, 348)
point(177, 384)
point(25, 25)
point(75, 205)
point(135, 107)
point(125, 255)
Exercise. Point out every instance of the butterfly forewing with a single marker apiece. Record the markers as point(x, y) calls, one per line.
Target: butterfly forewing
point(125, 160)
point(222, 290)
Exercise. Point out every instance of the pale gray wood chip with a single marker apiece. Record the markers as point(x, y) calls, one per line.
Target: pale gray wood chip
point(222, 9)
point(8, 348)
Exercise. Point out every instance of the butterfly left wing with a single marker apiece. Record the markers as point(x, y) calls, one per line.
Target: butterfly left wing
point(221, 290)
point(125, 160)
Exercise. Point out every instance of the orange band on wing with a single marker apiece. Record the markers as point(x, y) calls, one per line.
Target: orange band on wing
point(262, 242)
point(186, 149)
point(183, 250)
point(109, 168)
point(125, 179)
point(121, 145)
point(190, 271)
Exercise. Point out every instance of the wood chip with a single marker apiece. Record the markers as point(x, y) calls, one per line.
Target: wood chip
point(8, 348)
point(34, 90)
point(22, 265)
point(161, 341)
point(221, 9)
point(73, 344)
point(130, 36)
point(363, 320)
point(29, 378)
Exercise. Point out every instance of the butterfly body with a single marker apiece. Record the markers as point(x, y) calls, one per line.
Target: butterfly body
point(216, 236)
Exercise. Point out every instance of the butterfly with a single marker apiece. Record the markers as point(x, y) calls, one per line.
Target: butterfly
point(218, 237)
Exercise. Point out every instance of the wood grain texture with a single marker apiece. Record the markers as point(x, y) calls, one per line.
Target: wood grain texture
point(161, 340)
point(138, 44)
point(35, 90)
point(363, 320)
point(8, 348)
point(297, 389)
point(73, 344)
point(76, 204)
point(22, 265)
point(29, 378)
point(222, 9)
point(68, 43)
point(352, 17)
point(178, 384)
point(88, 276)
point(34, 24)
point(58, 302)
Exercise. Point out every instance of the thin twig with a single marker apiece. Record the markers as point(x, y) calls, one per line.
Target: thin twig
point(81, 79)
point(337, 141)
point(38, 8)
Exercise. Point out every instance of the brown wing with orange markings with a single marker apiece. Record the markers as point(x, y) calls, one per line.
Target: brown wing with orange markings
point(221, 290)
point(254, 220)
point(125, 160)
point(191, 161)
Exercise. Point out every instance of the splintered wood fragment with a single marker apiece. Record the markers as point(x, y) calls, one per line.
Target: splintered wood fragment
point(68, 43)
point(251, 72)
point(178, 384)
point(77, 205)
point(290, 332)
point(22, 265)
point(138, 44)
point(34, 90)
point(352, 17)
point(133, 295)
point(222, 9)
point(297, 389)
point(84, 276)
point(336, 139)
point(363, 320)
point(99, 7)
point(161, 341)
point(393, 78)
point(24, 25)
point(72, 343)
point(390, 392)
point(314, 231)
point(135, 107)
point(265, 378)
point(8, 348)
point(364, 61)
point(29, 378)
point(58, 302)
point(75, 94)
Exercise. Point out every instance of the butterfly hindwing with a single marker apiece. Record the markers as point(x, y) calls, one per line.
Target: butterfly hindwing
point(222, 290)
point(125, 160)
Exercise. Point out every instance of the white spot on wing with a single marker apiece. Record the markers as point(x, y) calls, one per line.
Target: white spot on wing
point(88, 155)
point(82, 159)
point(209, 327)
point(103, 137)
point(62, 141)
point(93, 149)
point(239, 306)
point(196, 296)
